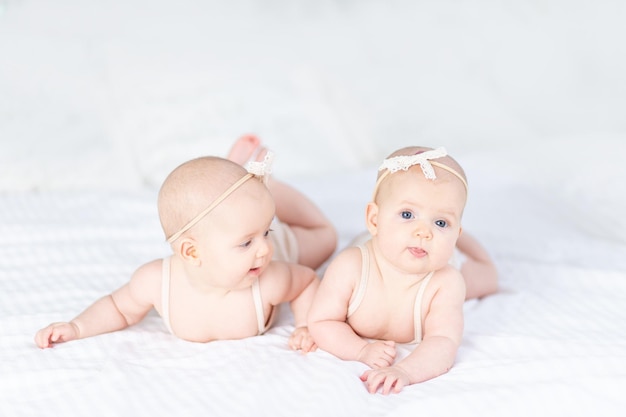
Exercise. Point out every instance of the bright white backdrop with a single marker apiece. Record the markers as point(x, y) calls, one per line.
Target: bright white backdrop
point(116, 93)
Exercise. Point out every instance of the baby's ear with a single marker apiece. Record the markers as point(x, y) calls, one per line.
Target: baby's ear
point(371, 218)
point(188, 251)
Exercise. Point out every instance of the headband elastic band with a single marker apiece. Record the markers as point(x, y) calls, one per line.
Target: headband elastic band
point(259, 169)
point(214, 204)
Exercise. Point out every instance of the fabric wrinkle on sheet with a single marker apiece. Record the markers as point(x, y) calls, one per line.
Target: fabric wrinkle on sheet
point(356, 300)
point(285, 249)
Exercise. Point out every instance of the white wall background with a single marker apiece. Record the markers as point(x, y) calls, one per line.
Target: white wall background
point(114, 94)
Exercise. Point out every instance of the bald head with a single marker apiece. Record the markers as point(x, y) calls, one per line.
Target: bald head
point(193, 186)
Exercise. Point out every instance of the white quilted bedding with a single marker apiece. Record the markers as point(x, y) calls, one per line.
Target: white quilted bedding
point(551, 342)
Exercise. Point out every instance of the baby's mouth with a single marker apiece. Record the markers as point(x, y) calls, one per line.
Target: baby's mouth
point(418, 252)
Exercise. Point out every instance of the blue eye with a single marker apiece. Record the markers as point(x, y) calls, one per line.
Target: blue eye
point(407, 215)
point(441, 223)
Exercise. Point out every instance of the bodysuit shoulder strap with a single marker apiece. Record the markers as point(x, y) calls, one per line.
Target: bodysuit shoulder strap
point(165, 293)
point(417, 308)
point(258, 306)
point(357, 298)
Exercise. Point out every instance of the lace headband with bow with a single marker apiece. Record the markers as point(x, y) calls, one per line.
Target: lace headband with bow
point(256, 169)
point(423, 159)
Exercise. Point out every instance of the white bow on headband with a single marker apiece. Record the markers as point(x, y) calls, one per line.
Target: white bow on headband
point(404, 162)
point(261, 168)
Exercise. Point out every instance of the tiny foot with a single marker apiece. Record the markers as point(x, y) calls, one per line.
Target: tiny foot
point(243, 148)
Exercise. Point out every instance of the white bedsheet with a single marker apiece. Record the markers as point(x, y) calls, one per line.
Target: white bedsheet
point(551, 342)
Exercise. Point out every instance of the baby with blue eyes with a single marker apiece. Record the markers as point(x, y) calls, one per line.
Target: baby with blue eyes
point(400, 286)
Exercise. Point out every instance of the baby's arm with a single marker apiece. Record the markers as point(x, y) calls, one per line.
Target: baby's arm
point(435, 355)
point(296, 284)
point(327, 318)
point(124, 307)
point(302, 288)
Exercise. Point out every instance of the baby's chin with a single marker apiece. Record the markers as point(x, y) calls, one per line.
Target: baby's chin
point(252, 275)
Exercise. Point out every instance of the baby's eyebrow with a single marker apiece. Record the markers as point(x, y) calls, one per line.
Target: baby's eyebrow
point(450, 212)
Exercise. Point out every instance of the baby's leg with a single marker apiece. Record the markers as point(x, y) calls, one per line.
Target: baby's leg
point(243, 149)
point(316, 236)
point(479, 271)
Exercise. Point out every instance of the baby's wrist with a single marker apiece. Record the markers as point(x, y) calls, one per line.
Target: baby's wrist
point(361, 351)
point(405, 372)
point(76, 328)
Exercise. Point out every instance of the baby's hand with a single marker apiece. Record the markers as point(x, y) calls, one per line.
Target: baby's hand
point(378, 354)
point(392, 379)
point(56, 333)
point(302, 340)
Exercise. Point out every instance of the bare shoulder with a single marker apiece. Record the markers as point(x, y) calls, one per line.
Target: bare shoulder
point(277, 276)
point(283, 281)
point(148, 271)
point(448, 281)
point(276, 271)
point(145, 283)
point(346, 264)
point(337, 286)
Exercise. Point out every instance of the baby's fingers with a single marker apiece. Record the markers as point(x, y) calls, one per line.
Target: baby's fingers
point(57, 335)
point(382, 362)
point(390, 349)
point(400, 383)
point(297, 341)
point(308, 345)
point(44, 337)
point(372, 380)
point(389, 382)
point(302, 340)
point(304, 344)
